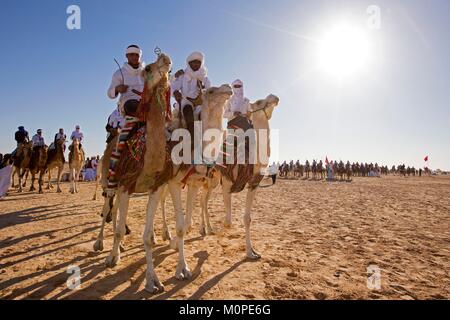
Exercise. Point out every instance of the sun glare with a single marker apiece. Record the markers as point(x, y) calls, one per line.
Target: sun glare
point(343, 51)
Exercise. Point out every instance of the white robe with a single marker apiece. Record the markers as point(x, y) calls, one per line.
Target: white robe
point(237, 103)
point(132, 78)
point(38, 141)
point(5, 180)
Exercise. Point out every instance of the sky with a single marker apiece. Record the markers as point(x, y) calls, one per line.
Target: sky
point(393, 109)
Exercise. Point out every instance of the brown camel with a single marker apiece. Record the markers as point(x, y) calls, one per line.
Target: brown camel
point(55, 159)
point(76, 162)
point(22, 161)
point(38, 165)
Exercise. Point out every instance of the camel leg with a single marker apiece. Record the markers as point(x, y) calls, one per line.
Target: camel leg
point(77, 180)
point(153, 284)
point(72, 178)
point(26, 172)
point(205, 214)
point(191, 194)
point(251, 253)
point(58, 189)
point(226, 187)
point(32, 182)
point(96, 187)
point(20, 176)
point(98, 245)
point(182, 271)
point(165, 232)
point(49, 179)
point(114, 205)
point(12, 178)
point(41, 181)
point(114, 257)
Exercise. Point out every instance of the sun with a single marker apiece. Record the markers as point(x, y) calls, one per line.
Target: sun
point(343, 51)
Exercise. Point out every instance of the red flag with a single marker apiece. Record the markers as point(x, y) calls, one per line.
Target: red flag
point(426, 159)
point(326, 161)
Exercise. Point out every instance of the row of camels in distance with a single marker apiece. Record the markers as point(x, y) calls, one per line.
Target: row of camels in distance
point(318, 170)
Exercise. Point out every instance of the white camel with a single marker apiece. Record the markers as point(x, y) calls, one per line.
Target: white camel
point(260, 115)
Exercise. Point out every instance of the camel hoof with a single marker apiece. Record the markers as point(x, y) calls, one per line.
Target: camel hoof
point(98, 245)
point(127, 230)
point(183, 274)
point(47, 188)
point(41, 192)
point(112, 261)
point(59, 191)
point(188, 229)
point(108, 217)
point(210, 231)
point(227, 224)
point(94, 198)
point(166, 236)
point(253, 255)
point(203, 231)
point(20, 191)
point(32, 189)
point(122, 248)
point(153, 285)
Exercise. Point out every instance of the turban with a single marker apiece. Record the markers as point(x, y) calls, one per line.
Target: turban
point(238, 99)
point(134, 50)
point(196, 56)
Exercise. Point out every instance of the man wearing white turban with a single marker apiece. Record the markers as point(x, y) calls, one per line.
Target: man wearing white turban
point(237, 110)
point(238, 105)
point(129, 83)
point(188, 89)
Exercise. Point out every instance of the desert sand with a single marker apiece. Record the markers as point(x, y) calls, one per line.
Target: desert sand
point(316, 239)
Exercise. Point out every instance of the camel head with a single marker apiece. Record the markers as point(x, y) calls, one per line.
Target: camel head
point(265, 106)
point(27, 148)
point(216, 98)
point(156, 73)
point(75, 143)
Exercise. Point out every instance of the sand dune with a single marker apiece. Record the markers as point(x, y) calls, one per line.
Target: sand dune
point(316, 240)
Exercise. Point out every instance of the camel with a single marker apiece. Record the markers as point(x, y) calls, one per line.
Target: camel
point(158, 170)
point(320, 170)
point(55, 159)
point(260, 115)
point(22, 162)
point(38, 165)
point(76, 162)
point(212, 114)
point(348, 171)
point(99, 175)
point(284, 170)
point(177, 173)
point(314, 170)
point(24, 180)
point(156, 85)
point(307, 169)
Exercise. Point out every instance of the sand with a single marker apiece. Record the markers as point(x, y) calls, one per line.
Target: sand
point(316, 239)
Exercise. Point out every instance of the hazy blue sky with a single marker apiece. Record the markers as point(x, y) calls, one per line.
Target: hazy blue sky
point(395, 109)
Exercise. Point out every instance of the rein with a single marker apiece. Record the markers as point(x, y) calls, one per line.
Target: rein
point(261, 109)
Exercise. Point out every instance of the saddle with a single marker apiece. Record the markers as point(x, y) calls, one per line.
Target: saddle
point(240, 122)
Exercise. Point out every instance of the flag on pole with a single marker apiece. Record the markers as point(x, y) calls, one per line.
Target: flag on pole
point(426, 159)
point(326, 161)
